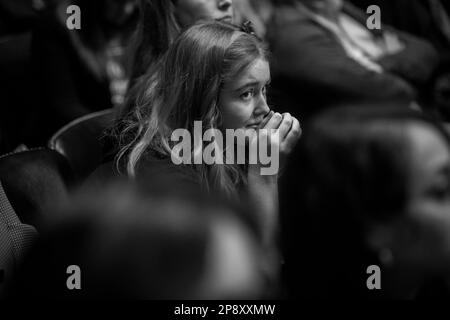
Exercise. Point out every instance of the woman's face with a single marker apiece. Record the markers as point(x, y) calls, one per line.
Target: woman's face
point(189, 12)
point(429, 204)
point(243, 101)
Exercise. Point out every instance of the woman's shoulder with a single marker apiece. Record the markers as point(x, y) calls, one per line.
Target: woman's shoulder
point(155, 164)
point(152, 172)
point(104, 174)
point(160, 170)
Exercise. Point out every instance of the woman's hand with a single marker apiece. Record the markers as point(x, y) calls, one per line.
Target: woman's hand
point(283, 132)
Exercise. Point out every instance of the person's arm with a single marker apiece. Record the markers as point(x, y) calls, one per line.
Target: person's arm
point(263, 189)
point(263, 195)
point(416, 62)
point(308, 55)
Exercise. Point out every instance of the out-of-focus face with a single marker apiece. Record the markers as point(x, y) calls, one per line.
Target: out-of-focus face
point(233, 263)
point(118, 12)
point(243, 101)
point(428, 209)
point(189, 12)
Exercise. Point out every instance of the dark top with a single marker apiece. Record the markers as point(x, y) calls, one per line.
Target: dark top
point(415, 17)
point(311, 70)
point(153, 174)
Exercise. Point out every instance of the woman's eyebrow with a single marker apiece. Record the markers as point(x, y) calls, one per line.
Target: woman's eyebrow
point(251, 84)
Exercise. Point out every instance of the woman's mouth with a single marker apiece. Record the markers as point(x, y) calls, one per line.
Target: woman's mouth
point(260, 123)
point(228, 19)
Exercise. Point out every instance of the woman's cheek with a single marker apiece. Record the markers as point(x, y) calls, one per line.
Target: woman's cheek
point(243, 116)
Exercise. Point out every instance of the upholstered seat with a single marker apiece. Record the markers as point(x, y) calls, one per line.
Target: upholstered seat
point(81, 142)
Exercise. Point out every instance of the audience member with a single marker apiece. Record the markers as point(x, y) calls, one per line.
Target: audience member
point(80, 71)
point(216, 74)
point(130, 243)
point(324, 54)
point(369, 186)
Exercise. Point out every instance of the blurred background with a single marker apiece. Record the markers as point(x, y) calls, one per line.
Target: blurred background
point(61, 89)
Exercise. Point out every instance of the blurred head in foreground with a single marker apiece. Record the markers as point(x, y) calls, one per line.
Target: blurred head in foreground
point(134, 246)
point(374, 185)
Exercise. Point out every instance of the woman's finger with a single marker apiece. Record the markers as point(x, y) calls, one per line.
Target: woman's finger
point(266, 119)
point(274, 122)
point(286, 125)
point(293, 136)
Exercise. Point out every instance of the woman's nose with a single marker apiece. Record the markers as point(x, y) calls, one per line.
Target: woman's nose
point(263, 107)
point(225, 5)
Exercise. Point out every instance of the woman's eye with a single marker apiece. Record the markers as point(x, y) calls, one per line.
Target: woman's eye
point(247, 95)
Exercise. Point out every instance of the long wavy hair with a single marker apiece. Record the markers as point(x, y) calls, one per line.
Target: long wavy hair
point(184, 87)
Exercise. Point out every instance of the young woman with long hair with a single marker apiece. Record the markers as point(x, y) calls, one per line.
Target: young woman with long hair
point(217, 74)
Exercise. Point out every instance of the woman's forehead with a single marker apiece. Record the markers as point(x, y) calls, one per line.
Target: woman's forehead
point(257, 72)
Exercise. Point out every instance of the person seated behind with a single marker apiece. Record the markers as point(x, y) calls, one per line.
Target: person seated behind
point(15, 239)
point(160, 22)
point(80, 71)
point(324, 54)
point(430, 20)
point(259, 12)
point(427, 19)
point(369, 186)
point(131, 242)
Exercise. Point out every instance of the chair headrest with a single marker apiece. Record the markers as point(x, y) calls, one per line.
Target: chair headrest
point(81, 142)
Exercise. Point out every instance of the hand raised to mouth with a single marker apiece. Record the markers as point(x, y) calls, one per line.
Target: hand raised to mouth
point(266, 119)
point(283, 132)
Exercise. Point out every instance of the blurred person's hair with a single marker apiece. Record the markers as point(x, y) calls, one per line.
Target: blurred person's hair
point(350, 171)
point(130, 243)
point(184, 87)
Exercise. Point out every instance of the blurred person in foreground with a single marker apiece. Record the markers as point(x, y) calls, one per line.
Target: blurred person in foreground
point(324, 54)
point(134, 242)
point(370, 185)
